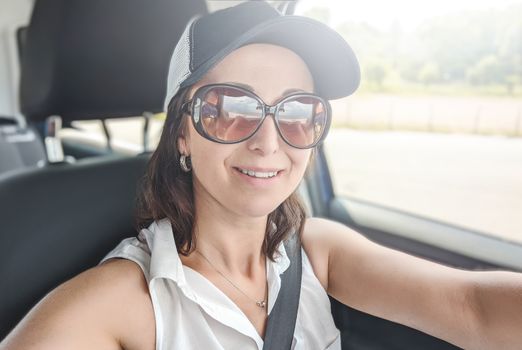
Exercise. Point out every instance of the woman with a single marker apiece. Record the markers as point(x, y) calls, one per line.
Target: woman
point(218, 201)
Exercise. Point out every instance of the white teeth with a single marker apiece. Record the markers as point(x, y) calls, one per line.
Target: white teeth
point(259, 174)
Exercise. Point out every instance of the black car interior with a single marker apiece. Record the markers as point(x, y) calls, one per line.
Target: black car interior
point(98, 59)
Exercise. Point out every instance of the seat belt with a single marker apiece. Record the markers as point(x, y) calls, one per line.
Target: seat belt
point(281, 321)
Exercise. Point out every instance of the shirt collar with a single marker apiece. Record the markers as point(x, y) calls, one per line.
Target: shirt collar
point(165, 261)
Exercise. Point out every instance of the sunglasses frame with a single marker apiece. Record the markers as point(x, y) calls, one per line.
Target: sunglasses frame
point(192, 108)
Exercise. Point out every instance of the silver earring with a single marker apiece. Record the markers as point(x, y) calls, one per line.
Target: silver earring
point(185, 164)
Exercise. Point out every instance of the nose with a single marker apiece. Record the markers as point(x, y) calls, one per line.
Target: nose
point(266, 139)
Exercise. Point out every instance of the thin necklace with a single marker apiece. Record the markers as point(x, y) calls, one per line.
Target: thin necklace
point(260, 303)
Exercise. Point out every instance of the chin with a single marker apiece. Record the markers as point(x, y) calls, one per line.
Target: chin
point(258, 208)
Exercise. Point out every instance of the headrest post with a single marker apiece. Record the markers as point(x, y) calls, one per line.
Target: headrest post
point(286, 7)
point(147, 116)
point(107, 135)
point(53, 144)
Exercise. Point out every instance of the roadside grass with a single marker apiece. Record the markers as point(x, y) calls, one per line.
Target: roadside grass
point(441, 129)
point(450, 114)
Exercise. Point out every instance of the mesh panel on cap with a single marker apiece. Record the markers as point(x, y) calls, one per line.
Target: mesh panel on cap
point(179, 67)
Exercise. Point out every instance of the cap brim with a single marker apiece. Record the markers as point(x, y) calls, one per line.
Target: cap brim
point(331, 60)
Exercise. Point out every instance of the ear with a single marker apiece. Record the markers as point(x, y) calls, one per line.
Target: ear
point(183, 145)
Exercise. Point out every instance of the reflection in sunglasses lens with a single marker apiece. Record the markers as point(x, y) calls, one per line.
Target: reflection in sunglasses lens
point(301, 120)
point(231, 115)
point(236, 114)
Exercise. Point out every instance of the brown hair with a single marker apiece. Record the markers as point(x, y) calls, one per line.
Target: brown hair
point(166, 192)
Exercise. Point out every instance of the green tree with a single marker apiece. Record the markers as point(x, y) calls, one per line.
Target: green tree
point(375, 72)
point(510, 49)
point(488, 70)
point(454, 42)
point(429, 73)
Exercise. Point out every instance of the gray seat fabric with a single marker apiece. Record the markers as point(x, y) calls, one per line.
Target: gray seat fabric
point(99, 59)
point(57, 221)
point(81, 60)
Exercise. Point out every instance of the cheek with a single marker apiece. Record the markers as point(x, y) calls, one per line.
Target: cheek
point(208, 160)
point(205, 160)
point(207, 170)
point(300, 160)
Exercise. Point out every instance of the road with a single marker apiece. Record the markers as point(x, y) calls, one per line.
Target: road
point(467, 180)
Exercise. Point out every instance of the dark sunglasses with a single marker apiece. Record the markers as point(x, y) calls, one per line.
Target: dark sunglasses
point(226, 113)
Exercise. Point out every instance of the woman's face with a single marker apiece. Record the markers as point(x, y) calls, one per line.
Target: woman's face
point(271, 72)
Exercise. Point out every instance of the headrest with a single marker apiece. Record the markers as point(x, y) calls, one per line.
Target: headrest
point(100, 59)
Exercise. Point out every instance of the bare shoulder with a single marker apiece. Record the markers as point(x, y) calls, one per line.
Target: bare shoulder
point(319, 235)
point(105, 307)
point(323, 239)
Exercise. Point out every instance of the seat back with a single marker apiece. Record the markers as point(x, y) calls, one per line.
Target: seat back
point(57, 221)
point(82, 60)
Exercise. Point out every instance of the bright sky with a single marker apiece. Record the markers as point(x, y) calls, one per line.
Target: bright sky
point(410, 13)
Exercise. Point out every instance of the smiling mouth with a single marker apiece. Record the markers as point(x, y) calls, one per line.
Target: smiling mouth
point(258, 174)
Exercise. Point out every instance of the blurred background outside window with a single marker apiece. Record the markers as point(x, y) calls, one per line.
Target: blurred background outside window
point(436, 128)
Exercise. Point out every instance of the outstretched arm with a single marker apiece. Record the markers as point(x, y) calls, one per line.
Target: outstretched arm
point(474, 310)
point(107, 307)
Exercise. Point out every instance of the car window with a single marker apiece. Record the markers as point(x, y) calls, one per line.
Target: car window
point(435, 129)
point(11, 20)
point(127, 134)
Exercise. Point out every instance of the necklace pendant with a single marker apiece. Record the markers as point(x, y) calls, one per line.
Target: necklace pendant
point(261, 303)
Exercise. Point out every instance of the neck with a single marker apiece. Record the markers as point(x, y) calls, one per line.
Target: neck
point(232, 242)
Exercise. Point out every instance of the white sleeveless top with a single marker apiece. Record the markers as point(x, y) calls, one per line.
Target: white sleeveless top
point(193, 314)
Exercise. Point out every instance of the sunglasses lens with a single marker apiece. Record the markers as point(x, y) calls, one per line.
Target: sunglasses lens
point(302, 120)
point(229, 114)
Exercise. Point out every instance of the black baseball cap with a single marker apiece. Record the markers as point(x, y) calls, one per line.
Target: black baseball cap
point(210, 38)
